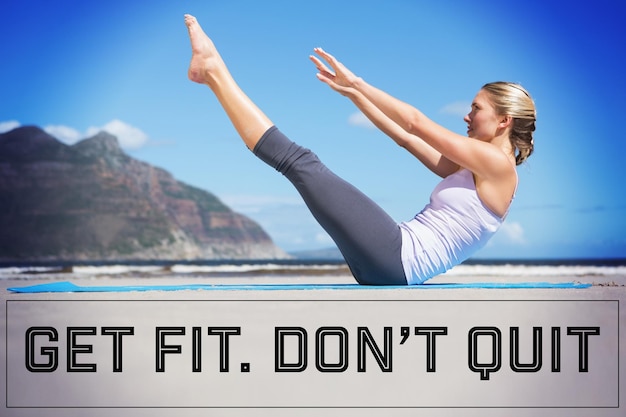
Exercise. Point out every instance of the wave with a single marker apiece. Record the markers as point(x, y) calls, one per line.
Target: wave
point(510, 270)
point(298, 267)
point(243, 268)
point(177, 269)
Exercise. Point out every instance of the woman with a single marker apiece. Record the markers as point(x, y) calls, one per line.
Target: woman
point(466, 208)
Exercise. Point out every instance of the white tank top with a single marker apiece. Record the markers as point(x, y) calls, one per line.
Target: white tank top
point(453, 226)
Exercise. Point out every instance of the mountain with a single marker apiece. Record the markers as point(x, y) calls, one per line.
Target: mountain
point(91, 201)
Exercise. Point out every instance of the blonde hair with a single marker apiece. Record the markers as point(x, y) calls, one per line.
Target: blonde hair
point(511, 99)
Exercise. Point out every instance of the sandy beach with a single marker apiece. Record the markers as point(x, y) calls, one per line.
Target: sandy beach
point(436, 352)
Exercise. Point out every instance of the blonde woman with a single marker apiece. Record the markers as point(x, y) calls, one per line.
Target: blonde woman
point(466, 208)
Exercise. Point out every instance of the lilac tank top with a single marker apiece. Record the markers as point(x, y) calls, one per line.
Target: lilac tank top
point(452, 227)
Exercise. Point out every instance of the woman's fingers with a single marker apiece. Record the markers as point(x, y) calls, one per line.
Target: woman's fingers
point(335, 78)
point(319, 64)
point(323, 70)
point(328, 57)
point(340, 74)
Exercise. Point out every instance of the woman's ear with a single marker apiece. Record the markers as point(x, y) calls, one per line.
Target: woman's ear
point(506, 121)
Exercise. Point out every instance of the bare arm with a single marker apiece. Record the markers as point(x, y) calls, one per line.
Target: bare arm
point(483, 159)
point(425, 153)
point(430, 157)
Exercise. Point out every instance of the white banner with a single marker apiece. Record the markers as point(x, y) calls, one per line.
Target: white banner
point(312, 354)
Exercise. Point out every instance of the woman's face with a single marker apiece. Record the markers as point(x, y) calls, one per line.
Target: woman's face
point(482, 121)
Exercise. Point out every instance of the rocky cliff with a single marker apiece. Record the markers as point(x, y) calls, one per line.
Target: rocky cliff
point(91, 201)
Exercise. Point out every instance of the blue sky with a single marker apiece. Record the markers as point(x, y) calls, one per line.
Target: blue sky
point(74, 67)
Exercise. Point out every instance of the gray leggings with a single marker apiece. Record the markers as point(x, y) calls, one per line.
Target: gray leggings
point(369, 240)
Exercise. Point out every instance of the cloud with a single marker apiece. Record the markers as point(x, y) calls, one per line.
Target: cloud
point(360, 120)
point(128, 136)
point(513, 232)
point(324, 239)
point(251, 204)
point(8, 125)
point(458, 108)
point(65, 134)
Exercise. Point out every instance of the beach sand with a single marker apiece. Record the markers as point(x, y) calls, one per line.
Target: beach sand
point(269, 373)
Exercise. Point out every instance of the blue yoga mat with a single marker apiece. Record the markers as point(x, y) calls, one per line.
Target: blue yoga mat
point(60, 287)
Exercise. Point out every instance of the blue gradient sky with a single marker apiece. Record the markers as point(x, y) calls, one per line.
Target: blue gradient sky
point(74, 67)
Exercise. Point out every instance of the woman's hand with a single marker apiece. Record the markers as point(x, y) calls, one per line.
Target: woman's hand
point(339, 79)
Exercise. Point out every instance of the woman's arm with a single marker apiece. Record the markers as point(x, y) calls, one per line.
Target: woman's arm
point(430, 157)
point(425, 153)
point(483, 159)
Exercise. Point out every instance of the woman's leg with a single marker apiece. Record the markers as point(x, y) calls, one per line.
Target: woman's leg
point(207, 67)
point(367, 237)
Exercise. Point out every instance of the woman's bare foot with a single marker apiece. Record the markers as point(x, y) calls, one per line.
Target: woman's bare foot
point(206, 64)
point(208, 68)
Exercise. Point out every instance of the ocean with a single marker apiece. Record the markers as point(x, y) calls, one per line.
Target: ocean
point(611, 271)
